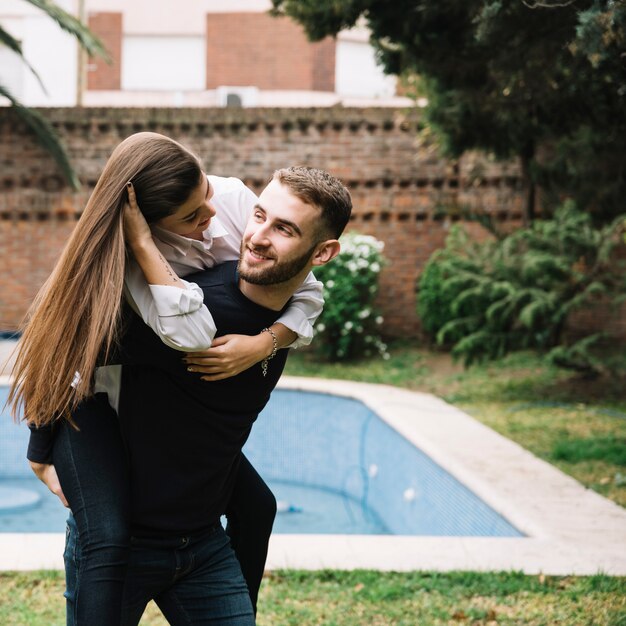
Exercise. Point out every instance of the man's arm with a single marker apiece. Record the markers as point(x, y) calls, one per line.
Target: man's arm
point(304, 308)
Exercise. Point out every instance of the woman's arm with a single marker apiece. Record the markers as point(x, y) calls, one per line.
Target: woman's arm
point(172, 307)
point(39, 456)
point(231, 354)
point(155, 268)
point(304, 308)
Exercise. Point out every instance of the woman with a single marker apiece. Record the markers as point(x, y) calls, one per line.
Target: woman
point(76, 319)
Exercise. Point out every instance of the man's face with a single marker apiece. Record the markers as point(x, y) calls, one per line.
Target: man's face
point(280, 237)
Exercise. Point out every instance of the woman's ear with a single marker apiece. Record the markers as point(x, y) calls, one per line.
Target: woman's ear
point(326, 251)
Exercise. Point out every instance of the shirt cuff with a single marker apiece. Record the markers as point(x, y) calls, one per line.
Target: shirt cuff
point(296, 321)
point(171, 301)
point(40, 445)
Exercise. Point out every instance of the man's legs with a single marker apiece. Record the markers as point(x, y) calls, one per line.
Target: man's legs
point(250, 513)
point(194, 581)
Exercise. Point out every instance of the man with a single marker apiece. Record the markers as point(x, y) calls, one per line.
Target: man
point(185, 435)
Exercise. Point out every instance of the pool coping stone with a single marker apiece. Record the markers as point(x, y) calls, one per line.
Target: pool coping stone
point(570, 529)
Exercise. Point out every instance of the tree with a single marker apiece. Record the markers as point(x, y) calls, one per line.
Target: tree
point(544, 81)
point(43, 131)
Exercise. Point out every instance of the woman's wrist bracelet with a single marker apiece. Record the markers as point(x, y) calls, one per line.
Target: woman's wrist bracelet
point(265, 361)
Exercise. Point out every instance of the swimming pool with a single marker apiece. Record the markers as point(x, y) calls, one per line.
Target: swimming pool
point(333, 464)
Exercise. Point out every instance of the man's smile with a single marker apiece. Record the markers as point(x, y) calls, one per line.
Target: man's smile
point(255, 254)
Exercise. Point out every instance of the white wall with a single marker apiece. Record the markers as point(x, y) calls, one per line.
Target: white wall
point(356, 70)
point(51, 51)
point(177, 17)
point(163, 63)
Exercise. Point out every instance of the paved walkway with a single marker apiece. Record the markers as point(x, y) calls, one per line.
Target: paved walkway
point(571, 529)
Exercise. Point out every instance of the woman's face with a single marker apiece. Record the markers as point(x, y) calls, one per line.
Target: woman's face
point(193, 217)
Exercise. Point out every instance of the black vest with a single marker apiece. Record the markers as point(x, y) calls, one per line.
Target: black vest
point(184, 434)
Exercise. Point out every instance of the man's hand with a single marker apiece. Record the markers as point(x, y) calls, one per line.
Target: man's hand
point(48, 476)
point(230, 355)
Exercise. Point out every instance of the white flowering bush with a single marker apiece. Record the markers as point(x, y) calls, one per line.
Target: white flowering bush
point(350, 325)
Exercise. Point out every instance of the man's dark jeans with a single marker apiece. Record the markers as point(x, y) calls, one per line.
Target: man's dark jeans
point(194, 580)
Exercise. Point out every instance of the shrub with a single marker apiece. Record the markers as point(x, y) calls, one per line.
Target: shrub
point(350, 324)
point(517, 292)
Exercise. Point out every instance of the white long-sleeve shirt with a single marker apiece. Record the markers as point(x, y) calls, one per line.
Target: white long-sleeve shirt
point(179, 316)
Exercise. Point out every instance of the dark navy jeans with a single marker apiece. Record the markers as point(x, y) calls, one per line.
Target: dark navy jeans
point(92, 468)
point(193, 579)
point(91, 464)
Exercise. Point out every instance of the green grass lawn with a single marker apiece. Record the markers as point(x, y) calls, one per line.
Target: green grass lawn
point(576, 424)
point(360, 598)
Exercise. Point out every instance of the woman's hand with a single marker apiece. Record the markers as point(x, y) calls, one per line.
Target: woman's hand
point(48, 476)
point(230, 355)
point(136, 229)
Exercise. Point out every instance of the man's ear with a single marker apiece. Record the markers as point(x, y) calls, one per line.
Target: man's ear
point(326, 251)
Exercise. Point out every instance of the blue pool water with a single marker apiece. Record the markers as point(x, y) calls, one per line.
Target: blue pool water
point(333, 464)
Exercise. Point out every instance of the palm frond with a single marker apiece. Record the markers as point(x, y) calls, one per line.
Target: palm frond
point(45, 135)
point(70, 24)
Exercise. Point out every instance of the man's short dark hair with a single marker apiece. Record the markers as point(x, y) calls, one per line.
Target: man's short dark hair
point(322, 190)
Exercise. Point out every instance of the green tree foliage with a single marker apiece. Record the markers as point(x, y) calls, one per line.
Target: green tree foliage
point(544, 81)
point(518, 292)
point(41, 128)
point(350, 324)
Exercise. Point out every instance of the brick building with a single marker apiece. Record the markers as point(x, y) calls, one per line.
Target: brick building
point(200, 53)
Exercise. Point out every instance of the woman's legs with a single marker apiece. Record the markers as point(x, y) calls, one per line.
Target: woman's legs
point(92, 468)
point(250, 513)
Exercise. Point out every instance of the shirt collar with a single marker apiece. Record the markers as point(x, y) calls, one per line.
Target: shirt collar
point(182, 244)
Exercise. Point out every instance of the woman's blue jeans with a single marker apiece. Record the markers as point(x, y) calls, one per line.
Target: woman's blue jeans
point(92, 468)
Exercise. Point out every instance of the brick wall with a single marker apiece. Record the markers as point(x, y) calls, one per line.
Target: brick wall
point(270, 53)
point(323, 62)
point(101, 75)
point(404, 193)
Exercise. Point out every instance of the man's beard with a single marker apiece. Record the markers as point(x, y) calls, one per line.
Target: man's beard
point(278, 272)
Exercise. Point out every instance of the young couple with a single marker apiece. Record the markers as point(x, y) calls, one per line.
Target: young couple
point(147, 454)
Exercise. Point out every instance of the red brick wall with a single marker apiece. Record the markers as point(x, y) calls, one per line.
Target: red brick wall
point(324, 53)
point(100, 75)
point(404, 193)
point(267, 52)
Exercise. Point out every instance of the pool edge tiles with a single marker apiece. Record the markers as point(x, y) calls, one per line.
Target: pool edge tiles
point(571, 530)
point(412, 415)
point(339, 444)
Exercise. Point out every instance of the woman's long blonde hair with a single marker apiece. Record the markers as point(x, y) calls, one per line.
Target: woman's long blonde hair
point(74, 321)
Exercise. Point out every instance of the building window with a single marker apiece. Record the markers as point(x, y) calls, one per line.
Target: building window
point(163, 63)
